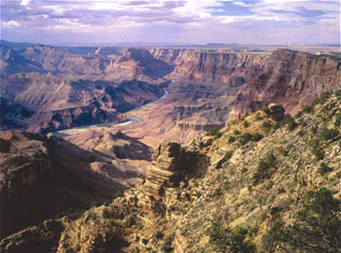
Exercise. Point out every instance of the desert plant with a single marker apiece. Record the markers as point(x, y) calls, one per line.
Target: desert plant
point(324, 168)
point(264, 168)
point(256, 137)
point(231, 139)
point(266, 125)
point(167, 245)
point(328, 134)
point(215, 132)
point(245, 138)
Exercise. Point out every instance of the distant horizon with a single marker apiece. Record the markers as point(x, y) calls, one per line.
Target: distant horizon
point(185, 22)
point(142, 44)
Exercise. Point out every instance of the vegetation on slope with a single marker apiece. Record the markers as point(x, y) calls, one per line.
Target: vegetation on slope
point(276, 192)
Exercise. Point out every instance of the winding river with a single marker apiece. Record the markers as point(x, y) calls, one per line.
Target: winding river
point(131, 120)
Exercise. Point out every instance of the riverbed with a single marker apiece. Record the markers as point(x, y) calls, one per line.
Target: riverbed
point(131, 120)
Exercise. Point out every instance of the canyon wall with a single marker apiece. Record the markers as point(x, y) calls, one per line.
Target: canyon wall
point(62, 89)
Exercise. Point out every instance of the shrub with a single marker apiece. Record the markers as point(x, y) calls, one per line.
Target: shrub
point(292, 124)
point(286, 119)
point(259, 116)
point(324, 168)
point(245, 124)
point(265, 109)
point(231, 139)
point(314, 129)
point(215, 132)
point(317, 150)
point(167, 245)
point(267, 125)
point(264, 168)
point(317, 227)
point(230, 241)
point(256, 137)
point(245, 138)
point(228, 155)
point(318, 224)
point(159, 208)
point(325, 95)
point(308, 109)
point(159, 235)
point(337, 122)
point(273, 237)
point(236, 132)
point(328, 134)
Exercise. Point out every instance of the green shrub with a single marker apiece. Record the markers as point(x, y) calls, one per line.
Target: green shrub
point(265, 109)
point(273, 238)
point(236, 132)
point(231, 139)
point(228, 240)
point(228, 155)
point(167, 245)
point(159, 235)
point(245, 138)
point(328, 134)
point(314, 129)
point(308, 109)
point(245, 124)
point(256, 137)
point(215, 132)
point(317, 227)
point(259, 116)
point(325, 95)
point(337, 122)
point(318, 224)
point(264, 168)
point(292, 124)
point(324, 168)
point(286, 119)
point(317, 150)
point(267, 125)
point(159, 208)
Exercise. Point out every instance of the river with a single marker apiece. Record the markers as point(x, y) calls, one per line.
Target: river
point(131, 120)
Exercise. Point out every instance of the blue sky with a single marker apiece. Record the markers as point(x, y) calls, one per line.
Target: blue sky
point(105, 22)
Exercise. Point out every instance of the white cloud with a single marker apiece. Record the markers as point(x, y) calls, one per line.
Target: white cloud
point(11, 23)
point(25, 2)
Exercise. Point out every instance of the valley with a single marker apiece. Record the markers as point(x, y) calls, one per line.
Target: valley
point(166, 149)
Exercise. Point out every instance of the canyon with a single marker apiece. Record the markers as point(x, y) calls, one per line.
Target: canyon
point(122, 149)
point(52, 88)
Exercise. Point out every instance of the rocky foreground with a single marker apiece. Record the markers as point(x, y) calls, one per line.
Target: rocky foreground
point(267, 183)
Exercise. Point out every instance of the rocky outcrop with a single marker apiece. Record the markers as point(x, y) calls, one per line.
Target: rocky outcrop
point(55, 103)
point(209, 66)
point(164, 170)
point(292, 79)
point(261, 185)
point(115, 144)
point(43, 177)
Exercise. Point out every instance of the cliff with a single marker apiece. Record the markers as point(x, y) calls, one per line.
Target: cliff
point(46, 177)
point(254, 182)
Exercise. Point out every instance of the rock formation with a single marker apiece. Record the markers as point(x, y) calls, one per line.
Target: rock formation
point(268, 176)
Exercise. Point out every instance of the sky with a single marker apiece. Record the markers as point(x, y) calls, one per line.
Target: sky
point(104, 22)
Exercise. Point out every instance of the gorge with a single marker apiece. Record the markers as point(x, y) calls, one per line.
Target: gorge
point(166, 149)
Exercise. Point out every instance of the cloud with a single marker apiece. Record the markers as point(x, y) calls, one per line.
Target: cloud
point(174, 19)
point(10, 23)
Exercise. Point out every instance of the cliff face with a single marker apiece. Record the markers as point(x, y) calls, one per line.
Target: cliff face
point(209, 66)
point(234, 190)
point(292, 79)
point(206, 86)
point(55, 103)
point(43, 177)
point(210, 87)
